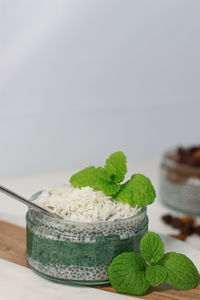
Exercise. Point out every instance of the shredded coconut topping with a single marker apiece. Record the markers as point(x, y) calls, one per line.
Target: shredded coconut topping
point(84, 204)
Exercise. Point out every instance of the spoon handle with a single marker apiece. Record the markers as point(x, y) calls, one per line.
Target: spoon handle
point(23, 200)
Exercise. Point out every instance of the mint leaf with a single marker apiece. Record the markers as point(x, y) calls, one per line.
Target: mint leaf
point(103, 174)
point(138, 191)
point(152, 247)
point(85, 177)
point(96, 178)
point(109, 188)
point(181, 272)
point(116, 166)
point(127, 274)
point(155, 275)
point(105, 184)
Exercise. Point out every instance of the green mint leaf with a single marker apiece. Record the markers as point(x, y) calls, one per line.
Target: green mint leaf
point(96, 178)
point(85, 177)
point(103, 174)
point(152, 247)
point(109, 188)
point(127, 274)
point(181, 272)
point(105, 184)
point(116, 166)
point(138, 191)
point(155, 275)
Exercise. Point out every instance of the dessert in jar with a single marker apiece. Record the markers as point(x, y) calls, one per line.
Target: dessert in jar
point(100, 218)
point(180, 180)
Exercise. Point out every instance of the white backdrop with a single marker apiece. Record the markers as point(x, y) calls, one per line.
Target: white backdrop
point(80, 79)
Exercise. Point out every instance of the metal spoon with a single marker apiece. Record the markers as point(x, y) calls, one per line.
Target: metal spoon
point(27, 202)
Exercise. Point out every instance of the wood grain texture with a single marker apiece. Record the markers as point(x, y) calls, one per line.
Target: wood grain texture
point(13, 248)
point(13, 243)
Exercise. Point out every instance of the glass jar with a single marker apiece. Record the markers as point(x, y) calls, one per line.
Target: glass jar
point(179, 187)
point(66, 251)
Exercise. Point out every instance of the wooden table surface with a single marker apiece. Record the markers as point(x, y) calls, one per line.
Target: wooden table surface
point(13, 248)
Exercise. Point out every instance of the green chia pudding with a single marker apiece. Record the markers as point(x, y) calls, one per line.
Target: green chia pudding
point(81, 246)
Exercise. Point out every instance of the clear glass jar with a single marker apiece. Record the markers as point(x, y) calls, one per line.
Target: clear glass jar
point(76, 252)
point(179, 187)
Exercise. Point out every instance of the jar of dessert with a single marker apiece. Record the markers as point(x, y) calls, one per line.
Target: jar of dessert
point(80, 252)
point(180, 180)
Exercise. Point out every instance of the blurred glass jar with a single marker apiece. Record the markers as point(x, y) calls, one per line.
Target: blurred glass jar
point(78, 252)
point(179, 187)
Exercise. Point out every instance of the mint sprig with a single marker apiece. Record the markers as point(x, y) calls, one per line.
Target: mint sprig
point(137, 191)
point(130, 274)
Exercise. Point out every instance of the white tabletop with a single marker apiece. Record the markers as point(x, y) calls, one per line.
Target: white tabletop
point(24, 281)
